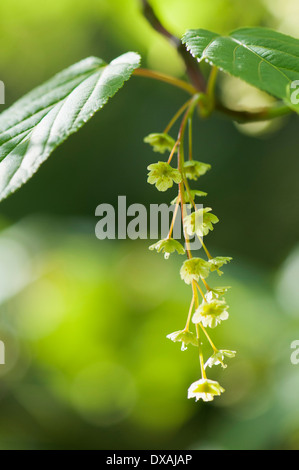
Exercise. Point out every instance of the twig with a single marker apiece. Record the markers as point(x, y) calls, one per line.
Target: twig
point(191, 64)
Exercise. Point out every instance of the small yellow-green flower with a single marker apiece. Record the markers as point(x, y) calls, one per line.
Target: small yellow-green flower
point(219, 291)
point(216, 293)
point(218, 262)
point(205, 389)
point(160, 142)
point(193, 269)
point(211, 313)
point(194, 169)
point(193, 193)
point(168, 246)
point(185, 337)
point(163, 175)
point(200, 222)
point(218, 358)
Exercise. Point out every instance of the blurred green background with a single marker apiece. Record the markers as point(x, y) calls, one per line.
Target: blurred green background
point(84, 321)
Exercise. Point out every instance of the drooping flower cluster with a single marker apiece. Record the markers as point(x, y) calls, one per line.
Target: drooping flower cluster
point(212, 309)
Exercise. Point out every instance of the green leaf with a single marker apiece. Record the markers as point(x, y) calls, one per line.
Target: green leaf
point(261, 57)
point(40, 121)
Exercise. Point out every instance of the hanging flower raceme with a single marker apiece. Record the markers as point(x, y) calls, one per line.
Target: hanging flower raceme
point(195, 270)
